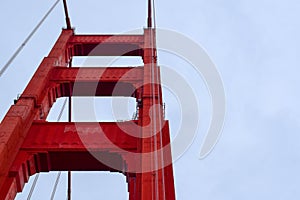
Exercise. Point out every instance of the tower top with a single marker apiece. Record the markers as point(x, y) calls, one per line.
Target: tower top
point(149, 19)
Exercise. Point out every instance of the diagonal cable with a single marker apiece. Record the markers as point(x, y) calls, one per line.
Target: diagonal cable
point(33, 186)
point(62, 110)
point(5, 67)
point(55, 186)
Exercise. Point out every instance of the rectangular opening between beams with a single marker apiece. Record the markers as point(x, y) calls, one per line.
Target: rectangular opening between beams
point(106, 61)
point(107, 50)
point(85, 185)
point(94, 109)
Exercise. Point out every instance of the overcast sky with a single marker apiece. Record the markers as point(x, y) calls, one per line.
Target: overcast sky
point(254, 45)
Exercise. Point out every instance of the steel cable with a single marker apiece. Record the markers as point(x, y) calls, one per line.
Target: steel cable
point(5, 67)
point(55, 186)
point(33, 186)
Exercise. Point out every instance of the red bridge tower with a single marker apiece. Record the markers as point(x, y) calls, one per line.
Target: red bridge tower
point(140, 149)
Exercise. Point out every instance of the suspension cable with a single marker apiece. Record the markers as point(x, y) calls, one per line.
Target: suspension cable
point(55, 186)
point(33, 186)
point(69, 185)
point(62, 110)
point(69, 177)
point(5, 67)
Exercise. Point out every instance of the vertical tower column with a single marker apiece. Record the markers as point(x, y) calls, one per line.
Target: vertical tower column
point(34, 104)
point(152, 186)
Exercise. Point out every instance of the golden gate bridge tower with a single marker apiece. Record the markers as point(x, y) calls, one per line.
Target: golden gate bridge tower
point(139, 149)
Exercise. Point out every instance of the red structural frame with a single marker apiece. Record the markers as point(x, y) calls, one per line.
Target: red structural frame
point(29, 144)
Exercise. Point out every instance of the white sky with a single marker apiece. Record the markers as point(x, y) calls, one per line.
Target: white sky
point(255, 46)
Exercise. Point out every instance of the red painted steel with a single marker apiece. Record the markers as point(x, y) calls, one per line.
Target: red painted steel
point(33, 104)
point(111, 81)
point(29, 144)
point(106, 45)
point(115, 39)
point(80, 136)
point(96, 74)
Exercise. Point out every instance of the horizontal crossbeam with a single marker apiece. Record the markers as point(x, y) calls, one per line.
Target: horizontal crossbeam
point(106, 45)
point(65, 146)
point(97, 39)
point(80, 136)
point(97, 74)
point(112, 81)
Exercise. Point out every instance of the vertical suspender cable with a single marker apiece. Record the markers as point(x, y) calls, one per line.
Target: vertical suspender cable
point(70, 119)
point(68, 23)
point(69, 185)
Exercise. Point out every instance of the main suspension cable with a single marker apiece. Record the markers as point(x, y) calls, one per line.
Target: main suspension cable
point(5, 67)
